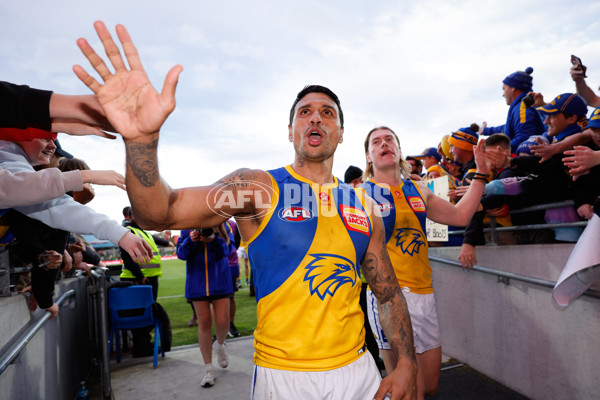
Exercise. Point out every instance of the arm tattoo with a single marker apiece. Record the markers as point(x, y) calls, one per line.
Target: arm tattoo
point(393, 311)
point(141, 158)
point(379, 277)
point(395, 317)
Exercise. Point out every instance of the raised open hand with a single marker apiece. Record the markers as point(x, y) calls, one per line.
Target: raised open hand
point(131, 104)
point(543, 150)
point(485, 162)
point(580, 159)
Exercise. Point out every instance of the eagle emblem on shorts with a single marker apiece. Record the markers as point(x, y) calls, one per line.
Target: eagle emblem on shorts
point(327, 272)
point(409, 240)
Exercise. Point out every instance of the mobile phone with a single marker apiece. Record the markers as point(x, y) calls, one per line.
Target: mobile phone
point(576, 61)
point(528, 100)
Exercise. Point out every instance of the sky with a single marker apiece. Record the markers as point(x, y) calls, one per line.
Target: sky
point(422, 68)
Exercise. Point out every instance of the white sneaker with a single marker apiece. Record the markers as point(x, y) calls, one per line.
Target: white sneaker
point(222, 356)
point(208, 379)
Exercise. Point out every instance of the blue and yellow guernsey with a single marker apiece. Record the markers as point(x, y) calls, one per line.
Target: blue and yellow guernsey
point(305, 257)
point(404, 211)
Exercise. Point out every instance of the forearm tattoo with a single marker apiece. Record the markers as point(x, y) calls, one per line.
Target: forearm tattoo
point(393, 310)
point(142, 160)
point(379, 278)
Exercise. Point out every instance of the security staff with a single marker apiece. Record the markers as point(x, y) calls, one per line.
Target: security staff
point(146, 273)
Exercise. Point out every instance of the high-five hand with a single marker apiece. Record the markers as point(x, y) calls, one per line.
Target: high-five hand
point(130, 102)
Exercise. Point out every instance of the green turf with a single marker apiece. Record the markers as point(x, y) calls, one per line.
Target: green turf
point(171, 295)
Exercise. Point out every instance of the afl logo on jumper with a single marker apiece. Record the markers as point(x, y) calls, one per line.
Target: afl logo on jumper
point(383, 207)
point(295, 214)
point(416, 203)
point(355, 220)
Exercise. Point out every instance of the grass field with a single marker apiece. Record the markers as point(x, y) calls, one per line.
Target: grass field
point(171, 295)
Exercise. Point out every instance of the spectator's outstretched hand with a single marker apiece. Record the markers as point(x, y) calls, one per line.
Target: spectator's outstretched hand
point(53, 309)
point(585, 211)
point(580, 160)
point(76, 247)
point(32, 303)
point(457, 193)
point(78, 128)
point(482, 128)
point(543, 150)
point(577, 74)
point(496, 157)
point(484, 161)
point(82, 266)
point(50, 259)
point(133, 107)
point(467, 256)
point(67, 262)
point(139, 250)
point(107, 178)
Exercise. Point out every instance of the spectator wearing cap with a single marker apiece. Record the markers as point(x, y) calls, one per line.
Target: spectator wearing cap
point(60, 152)
point(522, 121)
point(430, 157)
point(461, 148)
point(565, 116)
point(353, 176)
point(525, 148)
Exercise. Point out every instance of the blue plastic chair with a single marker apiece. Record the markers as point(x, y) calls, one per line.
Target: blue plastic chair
point(131, 307)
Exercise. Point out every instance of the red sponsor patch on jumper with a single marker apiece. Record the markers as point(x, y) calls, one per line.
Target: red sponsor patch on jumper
point(416, 203)
point(324, 198)
point(397, 194)
point(355, 219)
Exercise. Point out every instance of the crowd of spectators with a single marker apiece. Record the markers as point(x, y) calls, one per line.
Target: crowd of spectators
point(552, 155)
point(44, 206)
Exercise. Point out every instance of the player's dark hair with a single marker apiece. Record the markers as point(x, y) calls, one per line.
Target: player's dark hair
point(317, 89)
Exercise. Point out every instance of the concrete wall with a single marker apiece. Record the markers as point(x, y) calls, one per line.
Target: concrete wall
point(516, 334)
point(57, 358)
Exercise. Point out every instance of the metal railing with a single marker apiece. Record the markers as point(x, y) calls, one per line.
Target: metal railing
point(99, 318)
point(13, 352)
point(98, 328)
point(505, 277)
point(494, 228)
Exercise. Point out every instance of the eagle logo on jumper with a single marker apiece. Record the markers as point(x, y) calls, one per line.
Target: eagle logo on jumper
point(409, 240)
point(327, 272)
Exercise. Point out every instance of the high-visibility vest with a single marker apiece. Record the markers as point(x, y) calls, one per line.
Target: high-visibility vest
point(152, 267)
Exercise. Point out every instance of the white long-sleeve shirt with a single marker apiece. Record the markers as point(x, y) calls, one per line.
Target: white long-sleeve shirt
point(62, 212)
point(16, 189)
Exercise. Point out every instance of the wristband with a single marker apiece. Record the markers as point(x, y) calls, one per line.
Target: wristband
point(481, 177)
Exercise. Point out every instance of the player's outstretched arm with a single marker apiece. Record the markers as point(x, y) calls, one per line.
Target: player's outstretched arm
point(444, 212)
point(401, 383)
point(136, 111)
